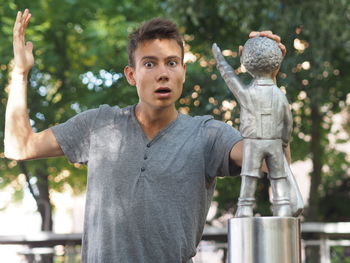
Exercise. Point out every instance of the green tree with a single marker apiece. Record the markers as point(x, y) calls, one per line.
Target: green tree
point(80, 51)
point(79, 47)
point(315, 73)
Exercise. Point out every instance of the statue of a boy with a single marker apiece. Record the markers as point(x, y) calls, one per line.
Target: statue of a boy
point(265, 122)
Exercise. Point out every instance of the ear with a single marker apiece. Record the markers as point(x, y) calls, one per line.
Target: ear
point(184, 77)
point(129, 74)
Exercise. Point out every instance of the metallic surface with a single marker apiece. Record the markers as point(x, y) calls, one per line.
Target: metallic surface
point(261, 55)
point(264, 240)
point(266, 126)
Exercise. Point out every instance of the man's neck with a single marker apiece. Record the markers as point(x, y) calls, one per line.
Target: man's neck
point(153, 120)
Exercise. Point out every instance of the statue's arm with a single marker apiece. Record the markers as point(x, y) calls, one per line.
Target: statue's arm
point(288, 124)
point(227, 72)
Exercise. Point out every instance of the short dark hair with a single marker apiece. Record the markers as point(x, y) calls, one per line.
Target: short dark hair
point(156, 28)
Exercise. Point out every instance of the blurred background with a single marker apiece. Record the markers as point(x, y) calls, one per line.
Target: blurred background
point(80, 51)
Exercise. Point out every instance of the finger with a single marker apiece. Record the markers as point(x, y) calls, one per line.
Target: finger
point(254, 34)
point(283, 48)
point(17, 31)
point(270, 35)
point(21, 23)
point(274, 37)
point(25, 15)
point(23, 20)
point(240, 50)
point(27, 21)
point(29, 46)
point(268, 32)
point(18, 17)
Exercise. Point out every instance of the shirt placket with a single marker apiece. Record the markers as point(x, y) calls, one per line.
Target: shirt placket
point(143, 169)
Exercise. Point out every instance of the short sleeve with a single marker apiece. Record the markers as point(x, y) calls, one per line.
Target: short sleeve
point(73, 136)
point(220, 137)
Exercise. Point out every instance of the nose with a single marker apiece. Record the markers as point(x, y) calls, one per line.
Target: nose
point(163, 74)
point(163, 77)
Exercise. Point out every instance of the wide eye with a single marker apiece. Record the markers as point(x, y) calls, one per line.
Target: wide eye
point(149, 64)
point(172, 63)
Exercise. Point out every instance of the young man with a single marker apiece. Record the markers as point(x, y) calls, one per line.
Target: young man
point(151, 170)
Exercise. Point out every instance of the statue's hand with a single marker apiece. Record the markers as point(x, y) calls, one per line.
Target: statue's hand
point(218, 55)
point(226, 71)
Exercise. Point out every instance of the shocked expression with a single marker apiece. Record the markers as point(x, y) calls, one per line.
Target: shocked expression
point(158, 74)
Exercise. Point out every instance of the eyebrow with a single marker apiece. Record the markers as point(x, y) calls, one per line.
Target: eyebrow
point(156, 58)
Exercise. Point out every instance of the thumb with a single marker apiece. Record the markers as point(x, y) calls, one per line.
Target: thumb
point(240, 50)
point(29, 46)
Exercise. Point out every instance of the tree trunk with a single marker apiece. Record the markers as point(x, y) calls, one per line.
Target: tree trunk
point(40, 192)
point(43, 201)
point(316, 150)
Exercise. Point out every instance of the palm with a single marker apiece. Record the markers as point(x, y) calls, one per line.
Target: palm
point(23, 55)
point(24, 58)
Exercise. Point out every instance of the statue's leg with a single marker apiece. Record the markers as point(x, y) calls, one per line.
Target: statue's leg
point(281, 202)
point(250, 174)
point(277, 176)
point(246, 198)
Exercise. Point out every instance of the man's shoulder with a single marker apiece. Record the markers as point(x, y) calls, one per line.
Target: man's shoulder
point(106, 115)
point(106, 111)
point(105, 108)
point(189, 120)
point(208, 122)
point(203, 118)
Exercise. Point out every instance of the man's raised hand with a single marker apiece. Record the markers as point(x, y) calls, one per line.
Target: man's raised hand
point(23, 51)
point(267, 34)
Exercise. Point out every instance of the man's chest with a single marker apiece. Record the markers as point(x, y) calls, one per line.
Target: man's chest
point(171, 158)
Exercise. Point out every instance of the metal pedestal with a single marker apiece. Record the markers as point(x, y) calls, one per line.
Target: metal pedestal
point(264, 240)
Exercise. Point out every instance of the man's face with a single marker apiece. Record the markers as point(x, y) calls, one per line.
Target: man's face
point(158, 73)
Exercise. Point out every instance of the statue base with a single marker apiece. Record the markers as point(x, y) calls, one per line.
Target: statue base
point(264, 240)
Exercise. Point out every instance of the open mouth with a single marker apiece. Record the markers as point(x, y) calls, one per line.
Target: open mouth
point(163, 90)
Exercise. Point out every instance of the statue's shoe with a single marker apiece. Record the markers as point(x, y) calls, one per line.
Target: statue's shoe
point(244, 211)
point(282, 210)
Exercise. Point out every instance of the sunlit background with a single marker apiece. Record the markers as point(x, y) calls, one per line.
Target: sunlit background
point(80, 51)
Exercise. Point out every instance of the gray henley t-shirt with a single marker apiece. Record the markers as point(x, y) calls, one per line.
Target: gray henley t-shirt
point(147, 200)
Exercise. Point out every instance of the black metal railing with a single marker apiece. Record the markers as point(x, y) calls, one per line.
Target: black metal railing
point(331, 241)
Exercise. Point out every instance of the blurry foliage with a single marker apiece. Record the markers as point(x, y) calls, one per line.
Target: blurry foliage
point(79, 49)
point(315, 74)
point(80, 52)
point(340, 254)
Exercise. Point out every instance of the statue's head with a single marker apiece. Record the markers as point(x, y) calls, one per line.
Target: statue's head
point(261, 56)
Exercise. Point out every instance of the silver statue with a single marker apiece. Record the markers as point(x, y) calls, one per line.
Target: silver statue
point(266, 126)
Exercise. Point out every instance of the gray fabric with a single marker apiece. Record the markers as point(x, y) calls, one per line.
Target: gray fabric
point(146, 201)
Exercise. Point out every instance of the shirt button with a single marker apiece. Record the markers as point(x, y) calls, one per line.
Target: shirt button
point(143, 169)
point(145, 157)
point(148, 145)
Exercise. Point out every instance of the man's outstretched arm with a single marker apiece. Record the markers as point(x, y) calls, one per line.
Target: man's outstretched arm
point(21, 143)
point(236, 156)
